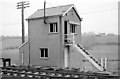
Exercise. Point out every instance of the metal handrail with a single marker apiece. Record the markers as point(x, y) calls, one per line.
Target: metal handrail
point(70, 38)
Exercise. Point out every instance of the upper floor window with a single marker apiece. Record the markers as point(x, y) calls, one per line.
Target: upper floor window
point(53, 28)
point(44, 52)
point(73, 28)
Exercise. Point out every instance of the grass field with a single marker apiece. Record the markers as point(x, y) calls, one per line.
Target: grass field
point(103, 47)
point(99, 47)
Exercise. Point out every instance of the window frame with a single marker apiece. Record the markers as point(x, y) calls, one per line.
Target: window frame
point(54, 28)
point(44, 53)
point(71, 28)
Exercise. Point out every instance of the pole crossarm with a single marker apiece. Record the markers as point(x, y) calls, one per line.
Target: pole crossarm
point(23, 4)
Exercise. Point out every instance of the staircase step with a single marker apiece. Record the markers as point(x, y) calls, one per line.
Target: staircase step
point(93, 61)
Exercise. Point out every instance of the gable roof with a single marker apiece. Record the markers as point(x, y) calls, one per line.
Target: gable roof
point(53, 11)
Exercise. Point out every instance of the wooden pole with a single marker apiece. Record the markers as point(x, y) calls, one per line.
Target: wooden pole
point(22, 5)
point(23, 36)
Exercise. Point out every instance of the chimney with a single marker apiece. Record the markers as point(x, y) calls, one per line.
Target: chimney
point(44, 11)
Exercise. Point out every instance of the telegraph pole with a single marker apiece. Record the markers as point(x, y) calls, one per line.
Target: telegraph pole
point(22, 5)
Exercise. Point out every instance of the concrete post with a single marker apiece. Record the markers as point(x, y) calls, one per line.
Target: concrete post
point(102, 62)
point(105, 63)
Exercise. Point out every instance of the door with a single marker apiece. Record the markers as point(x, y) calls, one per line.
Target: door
point(65, 27)
point(65, 31)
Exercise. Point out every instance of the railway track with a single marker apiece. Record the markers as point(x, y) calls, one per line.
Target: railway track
point(51, 73)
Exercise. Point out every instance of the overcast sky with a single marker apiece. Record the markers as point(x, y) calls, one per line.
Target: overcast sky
point(98, 15)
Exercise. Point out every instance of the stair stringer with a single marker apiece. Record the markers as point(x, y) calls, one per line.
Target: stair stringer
point(100, 68)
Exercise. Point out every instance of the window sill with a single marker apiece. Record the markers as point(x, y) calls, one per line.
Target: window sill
point(44, 58)
point(53, 33)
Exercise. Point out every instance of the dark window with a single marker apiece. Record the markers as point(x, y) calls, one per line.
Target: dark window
point(65, 27)
point(44, 52)
point(72, 28)
point(53, 28)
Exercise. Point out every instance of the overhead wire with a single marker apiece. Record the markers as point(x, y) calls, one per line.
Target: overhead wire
point(11, 24)
point(82, 13)
point(101, 10)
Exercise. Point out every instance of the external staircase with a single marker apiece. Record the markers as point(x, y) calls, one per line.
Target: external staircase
point(89, 57)
point(70, 40)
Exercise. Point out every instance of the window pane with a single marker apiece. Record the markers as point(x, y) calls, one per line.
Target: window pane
point(51, 27)
point(46, 52)
point(70, 28)
point(56, 27)
point(42, 52)
point(73, 28)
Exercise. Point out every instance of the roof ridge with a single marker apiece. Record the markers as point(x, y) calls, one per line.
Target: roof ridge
point(52, 11)
point(57, 6)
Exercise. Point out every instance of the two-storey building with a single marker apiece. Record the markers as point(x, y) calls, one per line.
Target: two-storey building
point(53, 43)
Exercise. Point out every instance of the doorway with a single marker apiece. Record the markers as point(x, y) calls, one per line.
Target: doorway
point(65, 31)
point(65, 27)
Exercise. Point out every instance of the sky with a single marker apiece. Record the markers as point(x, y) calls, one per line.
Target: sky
point(99, 16)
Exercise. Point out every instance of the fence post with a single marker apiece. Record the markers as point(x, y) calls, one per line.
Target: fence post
point(105, 63)
point(102, 62)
